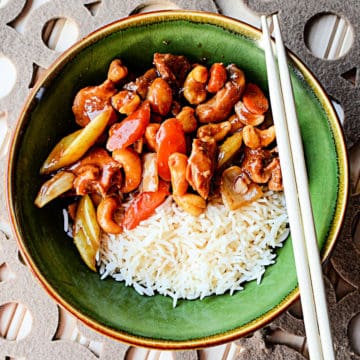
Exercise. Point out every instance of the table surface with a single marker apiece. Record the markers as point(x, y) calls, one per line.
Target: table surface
point(330, 38)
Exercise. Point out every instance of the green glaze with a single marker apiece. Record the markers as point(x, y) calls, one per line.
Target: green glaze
point(51, 253)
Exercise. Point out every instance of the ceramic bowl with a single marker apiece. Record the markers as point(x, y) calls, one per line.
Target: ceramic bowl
point(108, 306)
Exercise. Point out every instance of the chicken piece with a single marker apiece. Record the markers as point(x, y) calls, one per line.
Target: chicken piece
point(275, 183)
point(172, 68)
point(201, 166)
point(255, 164)
point(219, 107)
point(142, 83)
point(194, 88)
point(92, 100)
point(98, 173)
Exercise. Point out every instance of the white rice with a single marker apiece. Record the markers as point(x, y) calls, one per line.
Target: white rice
point(187, 257)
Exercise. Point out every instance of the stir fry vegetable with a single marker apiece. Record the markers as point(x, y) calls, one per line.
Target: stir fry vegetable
point(87, 232)
point(199, 134)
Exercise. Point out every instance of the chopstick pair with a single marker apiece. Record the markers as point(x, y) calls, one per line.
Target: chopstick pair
point(296, 190)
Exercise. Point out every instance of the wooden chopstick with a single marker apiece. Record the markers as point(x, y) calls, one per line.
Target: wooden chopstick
point(296, 190)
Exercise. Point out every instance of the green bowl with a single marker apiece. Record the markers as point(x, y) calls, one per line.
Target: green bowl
point(109, 306)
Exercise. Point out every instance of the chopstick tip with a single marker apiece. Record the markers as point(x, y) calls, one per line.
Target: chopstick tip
point(269, 20)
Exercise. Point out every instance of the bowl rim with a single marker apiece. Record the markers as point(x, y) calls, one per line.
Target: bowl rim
point(227, 23)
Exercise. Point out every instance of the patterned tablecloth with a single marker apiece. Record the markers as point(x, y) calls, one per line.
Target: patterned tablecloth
point(325, 34)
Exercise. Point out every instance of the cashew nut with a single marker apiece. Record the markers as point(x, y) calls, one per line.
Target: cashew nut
point(187, 119)
point(105, 215)
point(125, 101)
point(214, 131)
point(237, 77)
point(235, 122)
point(195, 85)
point(131, 163)
point(267, 136)
point(219, 107)
point(160, 96)
point(117, 71)
point(255, 138)
point(191, 203)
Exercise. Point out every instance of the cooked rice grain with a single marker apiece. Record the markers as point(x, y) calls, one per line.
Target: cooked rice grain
point(187, 257)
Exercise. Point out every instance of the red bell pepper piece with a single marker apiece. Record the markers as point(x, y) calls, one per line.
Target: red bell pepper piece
point(170, 138)
point(131, 129)
point(144, 204)
point(255, 100)
point(218, 77)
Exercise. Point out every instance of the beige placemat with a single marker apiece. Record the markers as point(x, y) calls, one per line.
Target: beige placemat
point(285, 338)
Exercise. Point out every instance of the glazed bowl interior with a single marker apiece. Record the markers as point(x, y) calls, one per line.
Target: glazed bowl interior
point(108, 306)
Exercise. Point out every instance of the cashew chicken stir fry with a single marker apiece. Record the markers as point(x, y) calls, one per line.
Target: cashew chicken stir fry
point(200, 134)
